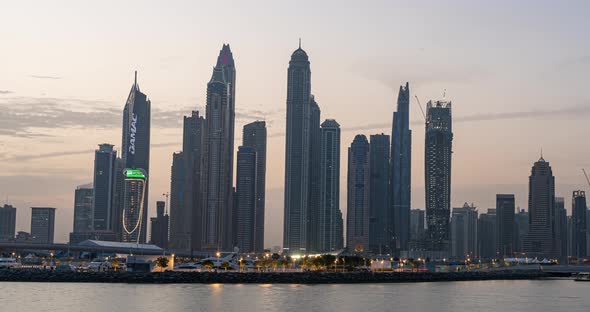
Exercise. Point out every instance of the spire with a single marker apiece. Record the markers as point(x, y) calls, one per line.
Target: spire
point(135, 83)
point(542, 159)
point(300, 43)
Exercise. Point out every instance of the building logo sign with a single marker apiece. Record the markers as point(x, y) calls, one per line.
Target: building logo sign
point(132, 132)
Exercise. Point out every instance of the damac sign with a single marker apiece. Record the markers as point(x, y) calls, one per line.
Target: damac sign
point(132, 131)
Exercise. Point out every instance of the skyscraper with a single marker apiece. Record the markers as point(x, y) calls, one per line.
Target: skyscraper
point(159, 226)
point(218, 155)
point(42, 225)
point(561, 229)
point(417, 229)
point(437, 158)
point(135, 148)
point(246, 198)
point(330, 215)
point(104, 186)
point(297, 154)
point(522, 228)
point(464, 232)
point(380, 209)
point(134, 204)
point(401, 169)
point(180, 231)
point(254, 135)
point(358, 197)
point(7, 222)
point(579, 226)
point(83, 215)
point(314, 193)
point(540, 240)
point(505, 207)
point(486, 235)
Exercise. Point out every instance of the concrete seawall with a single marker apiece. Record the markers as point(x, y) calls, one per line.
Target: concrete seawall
point(261, 278)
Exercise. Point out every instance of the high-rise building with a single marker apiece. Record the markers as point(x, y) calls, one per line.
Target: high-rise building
point(505, 207)
point(314, 237)
point(486, 235)
point(358, 197)
point(134, 202)
point(7, 222)
point(464, 232)
point(380, 210)
point(186, 206)
point(104, 186)
point(522, 228)
point(246, 199)
point(159, 226)
point(42, 225)
point(437, 158)
point(135, 148)
point(579, 226)
point(254, 136)
point(401, 169)
point(117, 213)
point(218, 155)
point(83, 216)
point(541, 238)
point(331, 235)
point(561, 229)
point(417, 229)
point(297, 154)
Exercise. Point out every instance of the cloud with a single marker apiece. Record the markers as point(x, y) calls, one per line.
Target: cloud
point(5, 92)
point(44, 77)
point(46, 155)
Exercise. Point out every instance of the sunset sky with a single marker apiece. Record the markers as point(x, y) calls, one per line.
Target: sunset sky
point(516, 73)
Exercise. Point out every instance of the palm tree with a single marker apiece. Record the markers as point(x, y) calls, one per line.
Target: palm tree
point(162, 262)
point(225, 265)
point(115, 264)
point(208, 264)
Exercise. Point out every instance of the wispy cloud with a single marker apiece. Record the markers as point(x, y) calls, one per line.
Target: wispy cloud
point(5, 92)
point(46, 155)
point(45, 77)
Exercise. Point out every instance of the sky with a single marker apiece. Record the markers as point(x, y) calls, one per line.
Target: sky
point(515, 71)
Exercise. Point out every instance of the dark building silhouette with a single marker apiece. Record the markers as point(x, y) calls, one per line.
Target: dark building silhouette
point(314, 237)
point(579, 226)
point(42, 225)
point(83, 216)
point(254, 136)
point(180, 231)
point(417, 229)
point(437, 158)
point(135, 148)
point(540, 240)
point(331, 235)
point(358, 196)
point(246, 199)
point(561, 229)
point(486, 235)
point(505, 207)
point(7, 222)
point(159, 226)
point(297, 154)
point(521, 228)
point(218, 155)
point(464, 232)
point(104, 186)
point(380, 209)
point(401, 169)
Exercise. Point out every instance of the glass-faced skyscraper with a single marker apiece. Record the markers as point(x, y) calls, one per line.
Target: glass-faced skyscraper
point(579, 226)
point(505, 208)
point(381, 212)
point(297, 154)
point(246, 198)
point(104, 186)
point(135, 148)
point(401, 170)
point(134, 205)
point(437, 158)
point(358, 195)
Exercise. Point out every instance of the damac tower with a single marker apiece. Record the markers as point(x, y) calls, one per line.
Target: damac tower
point(218, 156)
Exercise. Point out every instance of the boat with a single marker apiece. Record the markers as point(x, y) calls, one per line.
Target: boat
point(8, 263)
point(582, 277)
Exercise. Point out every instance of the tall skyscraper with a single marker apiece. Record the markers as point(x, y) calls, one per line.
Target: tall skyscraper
point(83, 216)
point(522, 228)
point(464, 232)
point(180, 231)
point(561, 230)
point(486, 235)
point(314, 236)
point(254, 136)
point(579, 226)
point(159, 226)
point(358, 197)
point(401, 169)
point(505, 207)
point(218, 155)
point(104, 186)
point(417, 229)
point(331, 235)
point(42, 225)
point(7, 222)
point(134, 203)
point(437, 158)
point(540, 240)
point(380, 209)
point(135, 148)
point(246, 198)
point(297, 154)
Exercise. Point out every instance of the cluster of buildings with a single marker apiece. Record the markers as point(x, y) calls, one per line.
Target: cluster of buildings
point(212, 212)
point(42, 225)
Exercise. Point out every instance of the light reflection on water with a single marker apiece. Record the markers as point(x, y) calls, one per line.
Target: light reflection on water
point(482, 296)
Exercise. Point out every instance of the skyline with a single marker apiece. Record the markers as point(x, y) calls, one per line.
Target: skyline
point(472, 152)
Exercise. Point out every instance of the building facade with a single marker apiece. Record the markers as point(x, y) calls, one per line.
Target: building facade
point(358, 196)
point(104, 186)
point(579, 226)
point(83, 213)
point(464, 232)
point(505, 208)
point(159, 226)
point(246, 199)
point(42, 225)
point(381, 230)
point(7, 222)
point(134, 205)
point(486, 235)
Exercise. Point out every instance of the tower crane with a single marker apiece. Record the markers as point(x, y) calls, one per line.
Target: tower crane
point(586, 175)
point(420, 105)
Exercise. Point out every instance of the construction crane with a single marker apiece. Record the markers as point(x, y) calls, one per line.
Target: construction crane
point(586, 175)
point(420, 105)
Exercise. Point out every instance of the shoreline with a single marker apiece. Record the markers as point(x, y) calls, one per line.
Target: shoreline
point(262, 277)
